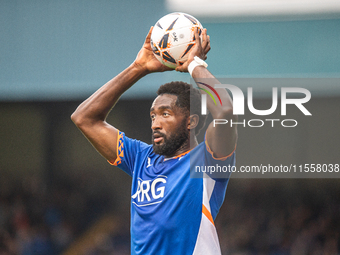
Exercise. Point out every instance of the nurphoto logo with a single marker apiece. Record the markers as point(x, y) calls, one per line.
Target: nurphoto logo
point(239, 104)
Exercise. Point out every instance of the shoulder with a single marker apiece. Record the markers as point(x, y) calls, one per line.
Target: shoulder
point(128, 149)
point(125, 142)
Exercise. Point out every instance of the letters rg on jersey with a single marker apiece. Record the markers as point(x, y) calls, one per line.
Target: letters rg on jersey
point(149, 191)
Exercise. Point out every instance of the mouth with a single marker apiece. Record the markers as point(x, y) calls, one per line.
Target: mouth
point(157, 137)
point(158, 140)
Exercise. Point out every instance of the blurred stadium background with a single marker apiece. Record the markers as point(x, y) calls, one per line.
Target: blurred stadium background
point(58, 196)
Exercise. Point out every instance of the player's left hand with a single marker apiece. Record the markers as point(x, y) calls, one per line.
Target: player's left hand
point(200, 50)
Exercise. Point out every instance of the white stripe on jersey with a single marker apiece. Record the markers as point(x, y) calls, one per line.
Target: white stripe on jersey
point(207, 239)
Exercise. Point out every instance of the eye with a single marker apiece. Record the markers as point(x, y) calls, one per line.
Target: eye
point(152, 116)
point(166, 114)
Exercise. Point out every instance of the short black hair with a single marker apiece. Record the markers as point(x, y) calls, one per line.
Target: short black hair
point(188, 98)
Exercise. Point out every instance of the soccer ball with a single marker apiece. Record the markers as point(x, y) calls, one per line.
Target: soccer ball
point(173, 37)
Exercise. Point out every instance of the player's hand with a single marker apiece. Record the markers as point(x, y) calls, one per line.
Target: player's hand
point(200, 50)
point(146, 59)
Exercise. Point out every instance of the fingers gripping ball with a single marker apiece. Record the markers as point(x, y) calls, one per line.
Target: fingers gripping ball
point(173, 37)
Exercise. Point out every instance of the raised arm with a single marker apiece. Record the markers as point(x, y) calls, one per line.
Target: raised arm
point(221, 138)
point(90, 116)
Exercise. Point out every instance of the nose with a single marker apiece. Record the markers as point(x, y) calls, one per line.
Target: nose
point(156, 124)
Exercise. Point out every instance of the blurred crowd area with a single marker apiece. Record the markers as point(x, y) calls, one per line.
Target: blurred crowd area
point(281, 217)
point(259, 216)
point(38, 218)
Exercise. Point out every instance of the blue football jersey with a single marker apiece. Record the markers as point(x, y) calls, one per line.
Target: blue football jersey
point(171, 212)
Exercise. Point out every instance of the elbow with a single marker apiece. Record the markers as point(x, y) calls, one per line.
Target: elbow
point(82, 119)
point(76, 118)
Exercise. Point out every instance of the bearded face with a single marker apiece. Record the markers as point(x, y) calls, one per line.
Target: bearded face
point(172, 142)
point(169, 126)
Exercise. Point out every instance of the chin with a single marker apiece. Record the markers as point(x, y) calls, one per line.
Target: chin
point(161, 150)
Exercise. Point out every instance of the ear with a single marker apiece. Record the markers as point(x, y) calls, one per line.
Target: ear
point(193, 121)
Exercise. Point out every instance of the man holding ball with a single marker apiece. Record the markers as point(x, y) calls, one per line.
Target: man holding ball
point(171, 212)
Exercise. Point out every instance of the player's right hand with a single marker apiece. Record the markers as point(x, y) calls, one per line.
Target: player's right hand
point(200, 50)
point(146, 59)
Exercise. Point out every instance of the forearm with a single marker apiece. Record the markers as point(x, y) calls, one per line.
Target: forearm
point(221, 138)
point(90, 116)
point(99, 104)
point(202, 75)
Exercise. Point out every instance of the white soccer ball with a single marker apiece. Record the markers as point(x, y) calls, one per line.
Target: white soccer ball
point(173, 37)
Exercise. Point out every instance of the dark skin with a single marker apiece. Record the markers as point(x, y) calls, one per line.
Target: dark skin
point(90, 116)
point(166, 119)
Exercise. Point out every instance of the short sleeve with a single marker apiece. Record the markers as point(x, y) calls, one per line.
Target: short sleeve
point(127, 151)
point(222, 167)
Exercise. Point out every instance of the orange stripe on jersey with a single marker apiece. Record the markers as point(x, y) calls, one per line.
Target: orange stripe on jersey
point(182, 154)
point(120, 149)
point(206, 212)
point(212, 154)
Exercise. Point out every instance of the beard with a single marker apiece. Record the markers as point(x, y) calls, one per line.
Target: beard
point(173, 142)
